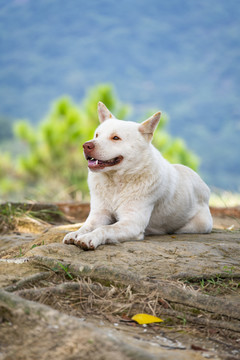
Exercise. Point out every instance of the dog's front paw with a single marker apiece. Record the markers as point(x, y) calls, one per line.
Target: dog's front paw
point(70, 237)
point(87, 241)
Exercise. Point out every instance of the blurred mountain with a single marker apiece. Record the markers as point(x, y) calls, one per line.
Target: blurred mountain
point(180, 56)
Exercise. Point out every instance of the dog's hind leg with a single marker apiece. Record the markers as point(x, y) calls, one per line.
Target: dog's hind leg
point(201, 223)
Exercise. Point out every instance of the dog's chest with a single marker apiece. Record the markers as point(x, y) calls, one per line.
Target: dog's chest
point(113, 193)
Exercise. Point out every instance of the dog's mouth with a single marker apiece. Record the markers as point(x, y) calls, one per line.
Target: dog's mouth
point(95, 164)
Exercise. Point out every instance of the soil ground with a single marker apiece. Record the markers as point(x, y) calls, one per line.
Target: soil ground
point(60, 302)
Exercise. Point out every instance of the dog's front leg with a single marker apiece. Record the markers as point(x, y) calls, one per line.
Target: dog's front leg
point(95, 219)
point(129, 227)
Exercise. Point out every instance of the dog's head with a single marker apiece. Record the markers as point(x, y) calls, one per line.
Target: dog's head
point(118, 144)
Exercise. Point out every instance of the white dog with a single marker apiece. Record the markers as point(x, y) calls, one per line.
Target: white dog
point(134, 190)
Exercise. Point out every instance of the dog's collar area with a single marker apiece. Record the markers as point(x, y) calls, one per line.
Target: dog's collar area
point(100, 164)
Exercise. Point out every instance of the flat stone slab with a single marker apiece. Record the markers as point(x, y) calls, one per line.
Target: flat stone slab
point(157, 256)
point(32, 327)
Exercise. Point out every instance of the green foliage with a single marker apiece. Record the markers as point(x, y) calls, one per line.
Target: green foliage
point(65, 269)
point(173, 149)
point(8, 216)
point(10, 177)
point(54, 166)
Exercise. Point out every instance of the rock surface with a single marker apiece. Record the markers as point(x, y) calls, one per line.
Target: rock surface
point(29, 257)
point(158, 256)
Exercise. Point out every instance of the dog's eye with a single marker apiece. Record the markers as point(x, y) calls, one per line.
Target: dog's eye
point(96, 135)
point(116, 138)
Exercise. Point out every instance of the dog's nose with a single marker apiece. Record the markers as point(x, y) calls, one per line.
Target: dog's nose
point(88, 146)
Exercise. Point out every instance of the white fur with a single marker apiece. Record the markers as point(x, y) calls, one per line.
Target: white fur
point(144, 193)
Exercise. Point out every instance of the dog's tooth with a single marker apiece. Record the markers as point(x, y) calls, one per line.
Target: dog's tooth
point(96, 162)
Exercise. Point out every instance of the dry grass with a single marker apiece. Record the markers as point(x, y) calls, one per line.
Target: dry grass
point(226, 199)
point(83, 298)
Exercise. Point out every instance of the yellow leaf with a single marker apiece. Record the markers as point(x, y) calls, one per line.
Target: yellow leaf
point(145, 319)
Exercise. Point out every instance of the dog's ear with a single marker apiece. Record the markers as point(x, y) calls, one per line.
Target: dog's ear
point(147, 127)
point(104, 113)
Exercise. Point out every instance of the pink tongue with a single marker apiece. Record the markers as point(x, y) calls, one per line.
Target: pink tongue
point(95, 163)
